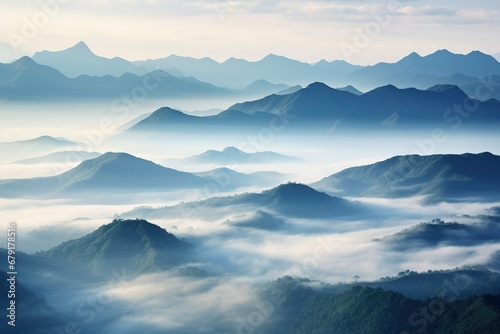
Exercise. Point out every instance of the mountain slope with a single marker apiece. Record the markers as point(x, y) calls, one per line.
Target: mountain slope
point(59, 157)
point(318, 103)
point(134, 245)
point(80, 60)
point(104, 175)
point(441, 177)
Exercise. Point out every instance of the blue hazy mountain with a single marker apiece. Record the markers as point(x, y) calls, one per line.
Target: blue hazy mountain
point(21, 149)
point(106, 174)
point(320, 106)
point(319, 103)
point(351, 89)
point(122, 173)
point(232, 155)
point(134, 245)
point(260, 220)
point(439, 233)
point(231, 179)
point(239, 73)
point(80, 60)
point(442, 63)
point(166, 120)
point(440, 177)
point(26, 80)
point(290, 200)
point(59, 157)
point(9, 53)
point(479, 87)
point(263, 88)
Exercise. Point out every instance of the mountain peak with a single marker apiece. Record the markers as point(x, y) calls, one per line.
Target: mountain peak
point(136, 245)
point(232, 149)
point(448, 89)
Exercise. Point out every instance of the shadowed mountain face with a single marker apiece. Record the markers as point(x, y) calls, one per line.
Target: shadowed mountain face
point(136, 246)
point(33, 314)
point(441, 177)
point(260, 220)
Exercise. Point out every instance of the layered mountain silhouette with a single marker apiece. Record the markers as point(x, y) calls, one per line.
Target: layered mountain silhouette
point(29, 148)
point(229, 179)
point(291, 200)
point(233, 155)
point(414, 67)
point(136, 246)
point(440, 177)
point(106, 174)
point(319, 105)
point(87, 62)
point(24, 79)
point(239, 73)
point(122, 173)
point(440, 233)
point(59, 157)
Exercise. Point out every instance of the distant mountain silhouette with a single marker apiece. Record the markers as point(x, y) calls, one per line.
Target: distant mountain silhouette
point(351, 90)
point(59, 157)
point(290, 200)
point(318, 103)
point(442, 63)
point(263, 88)
point(103, 175)
point(238, 73)
point(319, 106)
point(440, 233)
point(9, 53)
point(124, 174)
point(33, 147)
point(440, 177)
point(233, 155)
point(80, 60)
point(230, 179)
point(26, 80)
point(134, 245)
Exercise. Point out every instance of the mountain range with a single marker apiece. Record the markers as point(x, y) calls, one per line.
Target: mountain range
point(439, 177)
point(24, 79)
point(232, 155)
point(320, 106)
point(414, 70)
point(29, 148)
point(289, 200)
point(126, 174)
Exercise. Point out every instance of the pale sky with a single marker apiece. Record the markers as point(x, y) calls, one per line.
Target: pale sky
point(251, 29)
